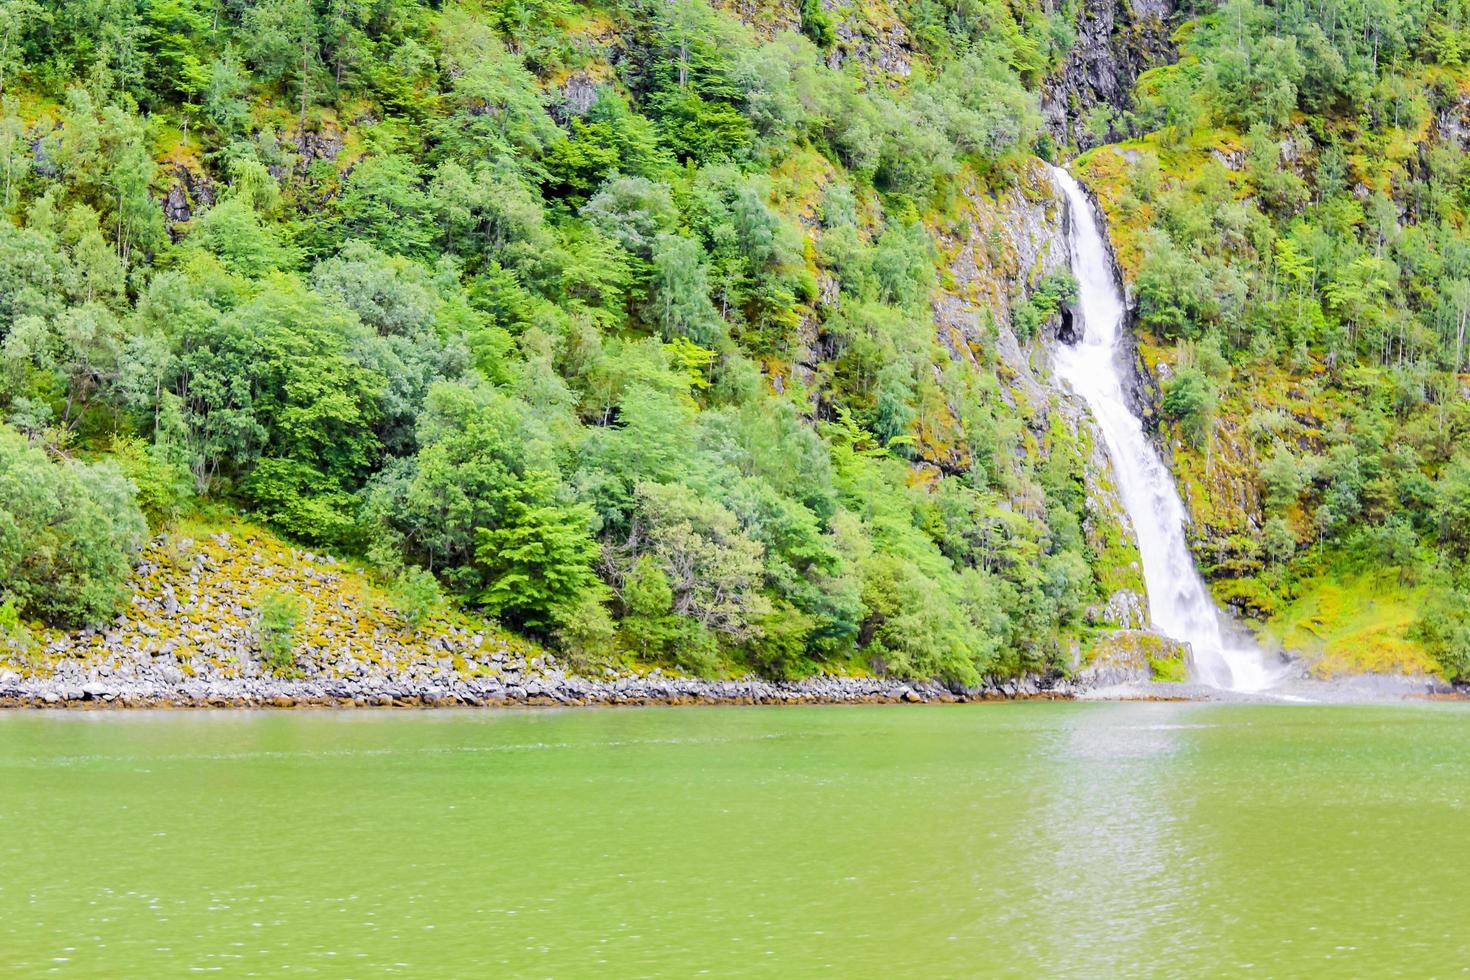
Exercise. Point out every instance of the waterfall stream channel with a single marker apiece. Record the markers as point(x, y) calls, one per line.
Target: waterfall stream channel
point(1180, 606)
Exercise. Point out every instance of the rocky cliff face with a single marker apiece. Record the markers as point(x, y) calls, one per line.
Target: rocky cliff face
point(1005, 245)
point(1129, 656)
point(1010, 242)
point(1117, 40)
point(871, 35)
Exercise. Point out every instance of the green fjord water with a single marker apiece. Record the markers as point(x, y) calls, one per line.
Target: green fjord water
point(1031, 839)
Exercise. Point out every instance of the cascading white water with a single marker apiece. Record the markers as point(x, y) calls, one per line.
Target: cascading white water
point(1179, 603)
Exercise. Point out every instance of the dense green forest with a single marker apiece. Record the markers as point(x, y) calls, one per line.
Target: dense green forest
point(618, 318)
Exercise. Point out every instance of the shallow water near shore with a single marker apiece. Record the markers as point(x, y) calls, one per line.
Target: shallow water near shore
point(1025, 839)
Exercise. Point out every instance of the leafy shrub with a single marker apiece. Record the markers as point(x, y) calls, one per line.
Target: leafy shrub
point(1189, 399)
point(1452, 506)
point(649, 625)
point(1172, 289)
point(1031, 313)
point(416, 596)
point(585, 629)
point(278, 618)
point(68, 534)
point(817, 25)
point(16, 641)
point(1284, 479)
point(538, 559)
point(1444, 629)
point(781, 650)
point(1166, 669)
point(1279, 540)
point(164, 484)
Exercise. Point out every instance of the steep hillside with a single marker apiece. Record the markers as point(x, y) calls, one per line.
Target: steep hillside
point(1290, 213)
point(715, 336)
point(704, 336)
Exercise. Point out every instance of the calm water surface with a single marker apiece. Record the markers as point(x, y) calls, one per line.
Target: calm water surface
point(1036, 839)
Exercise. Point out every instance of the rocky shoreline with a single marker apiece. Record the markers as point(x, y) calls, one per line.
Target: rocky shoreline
point(549, 688)
point(188, 638)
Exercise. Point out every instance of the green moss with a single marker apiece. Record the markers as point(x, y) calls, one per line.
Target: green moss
point(1167, 668)
point(1348, 625)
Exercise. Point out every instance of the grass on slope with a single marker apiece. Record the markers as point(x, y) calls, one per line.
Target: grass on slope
point(1353, 625)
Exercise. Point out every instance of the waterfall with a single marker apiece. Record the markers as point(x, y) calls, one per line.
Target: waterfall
point(1180, 606)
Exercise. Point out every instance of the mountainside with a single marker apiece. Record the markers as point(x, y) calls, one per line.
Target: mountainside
point(1291, 218)
point(717, 336)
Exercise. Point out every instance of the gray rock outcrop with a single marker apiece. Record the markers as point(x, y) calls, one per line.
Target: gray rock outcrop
point(1117, 40)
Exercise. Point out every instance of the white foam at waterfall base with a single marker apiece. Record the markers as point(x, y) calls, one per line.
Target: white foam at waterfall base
point(1179, 604)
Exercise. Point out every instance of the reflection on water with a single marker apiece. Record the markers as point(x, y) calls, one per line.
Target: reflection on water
point(1012, 840)
point(1117, 846)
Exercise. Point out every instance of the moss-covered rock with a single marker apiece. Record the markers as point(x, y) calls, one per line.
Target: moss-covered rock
point(1131, 656)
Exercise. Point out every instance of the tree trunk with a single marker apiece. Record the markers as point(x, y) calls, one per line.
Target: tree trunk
point(305, 84)
point(1460, 341)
